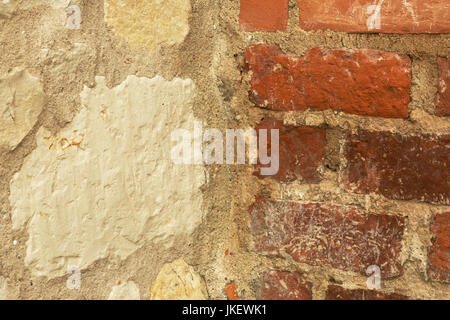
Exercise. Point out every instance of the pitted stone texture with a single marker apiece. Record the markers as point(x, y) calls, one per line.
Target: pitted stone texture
point(178, 281)
point(125, 291)
point(7, 8)
point(27, 4)
point(105, 185)
point(7, 292)
point(149, 23)
point(21, 102)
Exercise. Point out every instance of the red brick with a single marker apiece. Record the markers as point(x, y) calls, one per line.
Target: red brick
point(362, 82)
point(398, 167)
point(443, 96)
point(318, 234)
point(264, 15)
point(439, 253)
point(412, 16)
point(338, 293)
point(301, 150)
point(278, 285)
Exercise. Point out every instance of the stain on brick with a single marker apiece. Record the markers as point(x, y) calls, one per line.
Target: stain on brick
point(279, 285)
point(398, 167)
point(394, 16)
point(301, 151)
point(339, 293)
point(443, 96)
point(439, 253)
point(362, 82)
point(264, 15)
point(318, 234)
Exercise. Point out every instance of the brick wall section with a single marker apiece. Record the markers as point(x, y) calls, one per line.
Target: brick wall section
point(396, 163)
point(279, 285)
point(301, 150)
point(413, 16)
point(363, 82)
point(264, 15)
point(398, 167)
point(443, 96)
point(439, 253)
point(320, 234)
point(339, 293)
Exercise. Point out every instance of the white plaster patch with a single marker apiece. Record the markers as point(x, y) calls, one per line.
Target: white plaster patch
point(105, 185)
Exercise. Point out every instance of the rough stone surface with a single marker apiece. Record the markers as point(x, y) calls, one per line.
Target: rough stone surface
point(301, 150)
point(149, 23)
point(363, 82)
point(328, 235)
point(89, 192)
point(339, 293)
point(27, 4)
point(443, 96)
point(278, 285)
point(6, 291)
point(7, 8)
point(439, 253)
point(264, 15)
point(398, 167)
point(395, 16)
point(21, 101)
point(178, 281)
point(125, 291)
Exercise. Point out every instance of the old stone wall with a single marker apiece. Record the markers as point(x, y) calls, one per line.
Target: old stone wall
point(93, 205)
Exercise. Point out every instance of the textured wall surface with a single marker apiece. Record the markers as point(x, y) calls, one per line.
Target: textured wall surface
point(92, 206)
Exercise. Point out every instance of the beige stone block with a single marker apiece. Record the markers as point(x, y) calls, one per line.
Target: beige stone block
point(105, 185)
point(178, 281)
point(149, 23)
point(21, 102)
point(125, 291)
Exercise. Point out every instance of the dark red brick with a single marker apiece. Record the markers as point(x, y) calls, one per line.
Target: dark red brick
point(264, 15)
point(439, 253)
point(278, 285)
point(412, 16)
point(301, 150)
point(362, 82)
point(320, 234)
point(443, 96)
point(338, 293)
point(398, 167)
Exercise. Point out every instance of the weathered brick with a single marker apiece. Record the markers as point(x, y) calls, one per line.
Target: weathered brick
point(362, 82)
point(339, 293)
point(443, 96)
point(264, 15)
point(398, 167)
point(301, 150)
point(439, 253)
point(413, 16)
point(320, 234)
point(279, 285)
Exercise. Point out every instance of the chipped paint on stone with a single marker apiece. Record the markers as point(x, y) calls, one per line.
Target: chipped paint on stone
point(105, 184)
point(21, 102)
point(178, 281)
point(149, 23)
